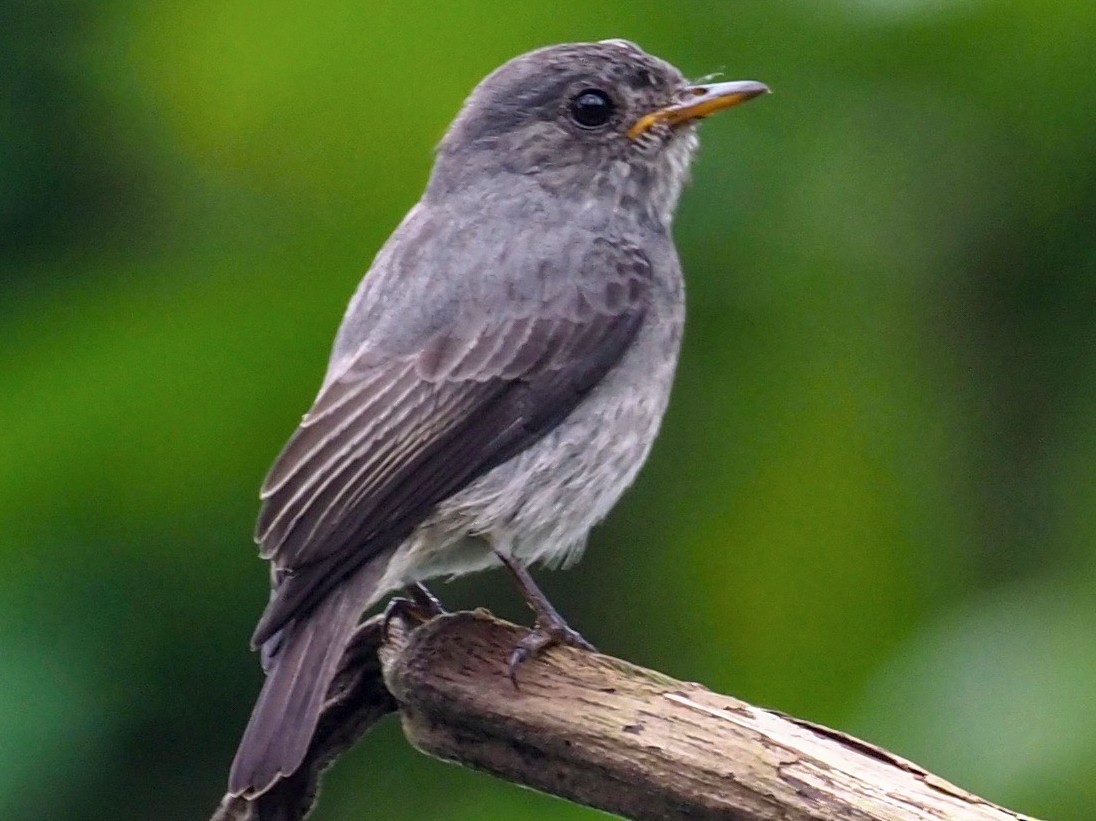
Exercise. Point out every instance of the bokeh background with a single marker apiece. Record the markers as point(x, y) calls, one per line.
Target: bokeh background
point(872, 503)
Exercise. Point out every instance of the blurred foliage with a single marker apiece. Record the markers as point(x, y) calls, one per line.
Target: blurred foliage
point(873, 500)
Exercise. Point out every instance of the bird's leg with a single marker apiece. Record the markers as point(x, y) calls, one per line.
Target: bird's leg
point(550, 628)
point(417, 604)
point(426, 601)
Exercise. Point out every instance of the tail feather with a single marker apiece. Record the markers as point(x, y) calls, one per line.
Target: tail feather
point(299, 673)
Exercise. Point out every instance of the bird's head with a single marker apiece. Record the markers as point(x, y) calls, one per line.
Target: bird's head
point(588, 120)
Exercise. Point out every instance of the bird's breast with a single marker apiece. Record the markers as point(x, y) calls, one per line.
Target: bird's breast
point(540, 505)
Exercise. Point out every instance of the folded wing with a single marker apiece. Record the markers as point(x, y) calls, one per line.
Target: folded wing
point(394, 435)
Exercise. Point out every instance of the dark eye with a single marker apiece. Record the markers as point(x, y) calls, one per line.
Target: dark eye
point(591, 108)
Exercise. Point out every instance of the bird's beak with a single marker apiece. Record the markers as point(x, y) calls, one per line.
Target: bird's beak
point(700, 101)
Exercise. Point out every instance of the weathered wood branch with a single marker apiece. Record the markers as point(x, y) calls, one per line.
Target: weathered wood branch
point(605, 733)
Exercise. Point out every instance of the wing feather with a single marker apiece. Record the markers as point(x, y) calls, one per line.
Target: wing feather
point(318, 455)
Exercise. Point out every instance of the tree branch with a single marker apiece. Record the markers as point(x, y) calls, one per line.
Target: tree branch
point(605, 733)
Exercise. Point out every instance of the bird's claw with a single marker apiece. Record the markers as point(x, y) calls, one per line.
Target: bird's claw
point(540, 639)
point(418, 606)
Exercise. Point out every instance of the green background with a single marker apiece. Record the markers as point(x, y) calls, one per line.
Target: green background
point(873, 502)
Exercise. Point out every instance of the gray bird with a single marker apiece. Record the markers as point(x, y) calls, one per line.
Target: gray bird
point(499, 376)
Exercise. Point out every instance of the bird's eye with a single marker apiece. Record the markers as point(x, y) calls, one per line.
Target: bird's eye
point(591, 108)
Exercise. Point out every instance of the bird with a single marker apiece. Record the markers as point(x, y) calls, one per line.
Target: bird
point(499, 376)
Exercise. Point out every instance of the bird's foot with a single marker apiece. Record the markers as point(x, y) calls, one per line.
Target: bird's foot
point(540, 639)
point(418, 605)
point(426, 601)
point(550, 629)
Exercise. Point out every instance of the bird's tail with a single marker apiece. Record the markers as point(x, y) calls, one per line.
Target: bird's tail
point(300, 671)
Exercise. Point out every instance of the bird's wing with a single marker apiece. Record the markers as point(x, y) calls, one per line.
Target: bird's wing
point(394, 435)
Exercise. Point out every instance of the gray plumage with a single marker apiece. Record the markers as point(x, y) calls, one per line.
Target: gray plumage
point(499, 376)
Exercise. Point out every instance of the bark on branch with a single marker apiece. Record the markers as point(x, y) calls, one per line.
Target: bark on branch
point(605, 733)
